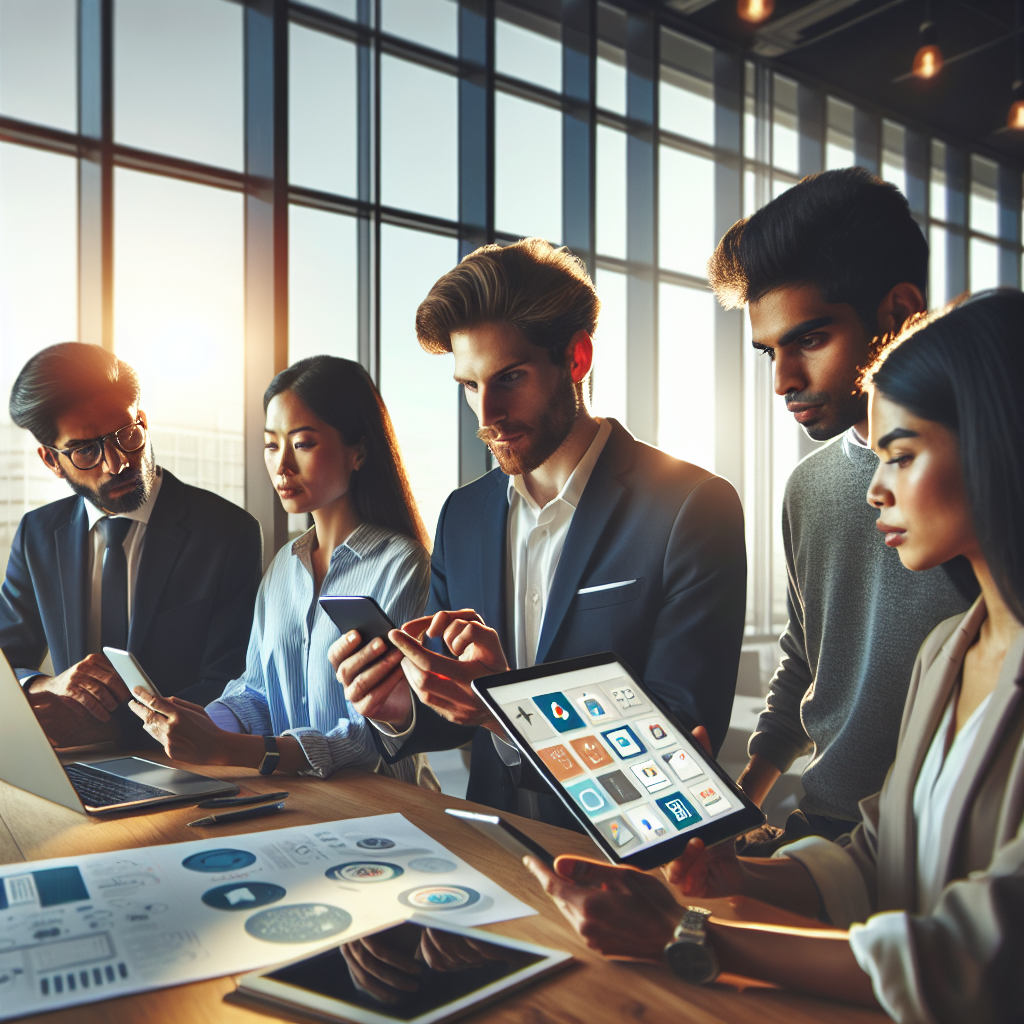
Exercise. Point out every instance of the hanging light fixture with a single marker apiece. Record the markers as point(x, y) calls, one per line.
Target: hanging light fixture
point(1015, 118)
point(928, 59)
point(755, 11)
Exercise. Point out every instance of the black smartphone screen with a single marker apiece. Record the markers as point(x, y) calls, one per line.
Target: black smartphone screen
point(362, 614)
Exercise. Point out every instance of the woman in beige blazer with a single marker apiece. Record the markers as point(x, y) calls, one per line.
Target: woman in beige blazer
point(925, 898)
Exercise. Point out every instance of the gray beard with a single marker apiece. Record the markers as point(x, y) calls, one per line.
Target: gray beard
point(130, 502)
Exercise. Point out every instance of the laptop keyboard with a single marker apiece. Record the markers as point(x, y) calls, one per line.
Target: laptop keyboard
point(101, 789)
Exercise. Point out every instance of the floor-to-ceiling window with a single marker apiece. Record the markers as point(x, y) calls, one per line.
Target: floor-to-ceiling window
point(215, 188)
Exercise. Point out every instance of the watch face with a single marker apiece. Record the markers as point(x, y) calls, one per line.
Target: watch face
point(693, 962)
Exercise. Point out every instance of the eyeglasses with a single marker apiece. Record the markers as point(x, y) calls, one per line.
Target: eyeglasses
point(90, 454)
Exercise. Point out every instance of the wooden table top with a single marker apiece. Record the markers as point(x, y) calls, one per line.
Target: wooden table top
point(593, 991)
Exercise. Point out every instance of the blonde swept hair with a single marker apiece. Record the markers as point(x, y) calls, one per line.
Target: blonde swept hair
point(544, 293)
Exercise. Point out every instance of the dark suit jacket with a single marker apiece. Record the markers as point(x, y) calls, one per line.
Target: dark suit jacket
point(194, 596)
point(674, 528)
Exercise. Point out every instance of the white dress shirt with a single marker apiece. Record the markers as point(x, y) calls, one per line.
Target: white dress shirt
point(133, 544)
point(536, 537)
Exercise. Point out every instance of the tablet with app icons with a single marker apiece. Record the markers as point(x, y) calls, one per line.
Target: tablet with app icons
point(637, 781)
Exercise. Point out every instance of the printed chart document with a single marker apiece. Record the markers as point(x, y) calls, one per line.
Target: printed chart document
point(79, 929)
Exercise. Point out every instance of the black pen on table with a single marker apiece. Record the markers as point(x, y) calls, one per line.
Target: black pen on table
point(230, 816)
point(224, 802)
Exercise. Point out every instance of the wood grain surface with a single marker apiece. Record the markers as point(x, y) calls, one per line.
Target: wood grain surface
point(592, 991)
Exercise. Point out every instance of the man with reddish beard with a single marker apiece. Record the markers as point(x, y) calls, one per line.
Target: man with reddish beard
point(582, 540)
point(135, 560)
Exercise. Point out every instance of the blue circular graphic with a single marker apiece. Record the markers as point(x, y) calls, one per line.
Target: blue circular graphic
point(364, 871)
point(243, 895)
point(299, 922)
point(439, 897)
point(214, 861)
point(375, 843)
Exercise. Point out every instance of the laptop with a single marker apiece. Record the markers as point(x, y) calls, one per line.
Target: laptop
point(99, 787)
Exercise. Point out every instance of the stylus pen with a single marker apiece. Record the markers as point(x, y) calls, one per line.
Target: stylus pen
point(249, 812)
point(239, 801)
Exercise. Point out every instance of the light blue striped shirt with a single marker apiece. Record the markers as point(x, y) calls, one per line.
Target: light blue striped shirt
point(289, 687)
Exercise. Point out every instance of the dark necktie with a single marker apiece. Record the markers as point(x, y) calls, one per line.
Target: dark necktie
point(114, 622)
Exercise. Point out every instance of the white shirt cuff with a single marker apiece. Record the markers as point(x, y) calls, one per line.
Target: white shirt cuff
point(223, 717)
point(884, 949)
point(392, 739)
point(840, 884)
point(510, 754)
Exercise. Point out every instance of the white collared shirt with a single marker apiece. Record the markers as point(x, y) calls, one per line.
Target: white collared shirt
point(536, 537)
point(133, 543)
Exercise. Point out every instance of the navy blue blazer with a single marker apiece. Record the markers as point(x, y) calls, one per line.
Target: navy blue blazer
point(673, 528)
point(194, 595)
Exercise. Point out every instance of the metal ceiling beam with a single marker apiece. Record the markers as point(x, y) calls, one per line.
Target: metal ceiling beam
point(791, 31)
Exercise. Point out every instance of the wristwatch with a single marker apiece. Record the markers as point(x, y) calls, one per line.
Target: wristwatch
point(688, 954)
point(271, 758)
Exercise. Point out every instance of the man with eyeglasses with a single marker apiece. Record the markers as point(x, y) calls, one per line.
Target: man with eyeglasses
point(135, 560)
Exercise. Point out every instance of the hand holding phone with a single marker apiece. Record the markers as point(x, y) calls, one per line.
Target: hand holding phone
point(128, 668)
point(368, 666)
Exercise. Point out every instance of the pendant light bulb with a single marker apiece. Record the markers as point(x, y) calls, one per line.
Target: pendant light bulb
point(1015, 118)
point(755, 11)
point(928, 59)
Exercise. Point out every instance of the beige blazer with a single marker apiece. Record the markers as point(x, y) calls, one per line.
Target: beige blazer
point(968, 949)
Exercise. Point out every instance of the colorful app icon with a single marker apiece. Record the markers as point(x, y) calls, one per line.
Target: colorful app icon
point(711, 796)
point(624, 742)
point(655, 731)
point(622, 790)
point(594, 705)
point(559, 712)
point(650, 775)
point(678, 810)
point(590, 751)
point(523, 714)
point(682, 764)
point(618, 833)
point(626, 698)
point(589, 796)
point(647, 823)
point(561, 763)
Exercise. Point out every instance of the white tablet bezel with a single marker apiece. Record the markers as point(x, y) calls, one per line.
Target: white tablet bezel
point(258, 984)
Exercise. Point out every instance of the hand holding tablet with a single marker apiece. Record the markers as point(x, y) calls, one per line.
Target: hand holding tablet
point(638, 782)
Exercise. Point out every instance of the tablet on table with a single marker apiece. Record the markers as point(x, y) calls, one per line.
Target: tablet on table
point(415, 971)
point(635, 778)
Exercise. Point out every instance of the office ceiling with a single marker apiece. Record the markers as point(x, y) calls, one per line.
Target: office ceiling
point(864, 49)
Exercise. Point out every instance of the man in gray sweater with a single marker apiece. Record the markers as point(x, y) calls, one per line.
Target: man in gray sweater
point(827, 270)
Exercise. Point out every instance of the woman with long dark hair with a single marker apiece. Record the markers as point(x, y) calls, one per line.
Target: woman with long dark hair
point(331, 453)
point(925, 898)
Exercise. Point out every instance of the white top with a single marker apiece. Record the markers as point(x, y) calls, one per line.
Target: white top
point(939, 775)
point(883, 943)
point(536, 537)
point(133, 544)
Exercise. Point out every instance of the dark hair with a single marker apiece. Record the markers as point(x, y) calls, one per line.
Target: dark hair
point(543, 292)
point(847, 232)
point(343, 394)
point(964, 368)
point(61, 376)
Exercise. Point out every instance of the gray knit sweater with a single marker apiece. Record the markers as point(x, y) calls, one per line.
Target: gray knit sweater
point(856, 621)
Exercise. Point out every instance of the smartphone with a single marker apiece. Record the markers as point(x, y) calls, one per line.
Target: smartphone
point(128, 668)
point(501, 832)
point(362, 614)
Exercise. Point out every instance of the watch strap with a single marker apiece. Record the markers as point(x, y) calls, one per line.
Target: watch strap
point(692, 926)
point(272, 757)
